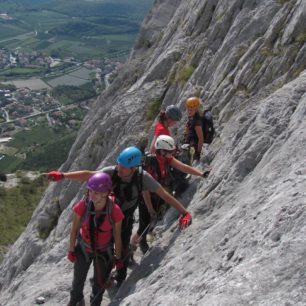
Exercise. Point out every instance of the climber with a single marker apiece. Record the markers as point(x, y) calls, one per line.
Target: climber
point(96, 220)
point(167, 118)
point(193, 131)
point(129, 182)
point(158, 165)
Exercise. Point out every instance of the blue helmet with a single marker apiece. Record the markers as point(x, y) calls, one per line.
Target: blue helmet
point(129, 157)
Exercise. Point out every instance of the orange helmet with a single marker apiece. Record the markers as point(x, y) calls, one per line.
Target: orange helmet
point(192, 102)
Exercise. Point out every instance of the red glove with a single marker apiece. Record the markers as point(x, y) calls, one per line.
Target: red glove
point(185, 221)
point(72, 256)
point(55, 176)
point(119, 264)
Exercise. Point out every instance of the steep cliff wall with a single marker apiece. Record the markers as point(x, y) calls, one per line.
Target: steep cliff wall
point(247, 61)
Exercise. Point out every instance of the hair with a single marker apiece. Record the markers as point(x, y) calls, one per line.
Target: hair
point(197, 113)
point(158, 152)
point(162, 116)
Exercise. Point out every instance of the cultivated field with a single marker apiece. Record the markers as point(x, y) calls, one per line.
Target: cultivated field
point(75, 78)
point(84, 30)
point(33, 84)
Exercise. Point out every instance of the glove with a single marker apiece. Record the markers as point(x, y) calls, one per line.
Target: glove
point(72, 256)
point(206, 173)
point(185, 221)
point(55, 176)
point(119, 264)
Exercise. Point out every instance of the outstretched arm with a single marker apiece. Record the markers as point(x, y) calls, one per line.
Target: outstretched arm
point(148, 201)
point(185, 220)
point(81, 176)
point(185, 168)
point(168, 198)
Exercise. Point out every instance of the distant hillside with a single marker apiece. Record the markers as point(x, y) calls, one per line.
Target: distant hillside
point(80, 7)
point(78, 28)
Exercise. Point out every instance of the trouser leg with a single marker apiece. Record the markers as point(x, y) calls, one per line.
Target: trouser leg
point(126, 232)
point(144, 216)
point(81, 267)
point(144, 219)
point(102, 269)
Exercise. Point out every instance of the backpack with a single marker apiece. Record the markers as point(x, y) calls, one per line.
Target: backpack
point(136, 180)
point(151, 165)
point(208, 126)
point(174, 179)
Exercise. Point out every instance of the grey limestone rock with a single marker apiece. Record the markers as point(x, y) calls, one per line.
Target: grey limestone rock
point(246, 245)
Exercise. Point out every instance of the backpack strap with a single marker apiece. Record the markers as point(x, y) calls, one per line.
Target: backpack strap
point(208, 126)
point(83, 218)
point(156, 167)
point(115, 179)
point(110, 208)
point(139, 182)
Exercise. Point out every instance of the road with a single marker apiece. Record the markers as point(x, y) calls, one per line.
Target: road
point(7, 117)
point(37, 113)
point(106, 79)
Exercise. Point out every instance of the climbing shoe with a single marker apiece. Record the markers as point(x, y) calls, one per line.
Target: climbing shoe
point(80, 303)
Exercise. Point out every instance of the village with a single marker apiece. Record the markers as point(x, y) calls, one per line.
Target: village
point(21, 107)
point(26, 102)
point(24, 107)
point(34, 59)
point(36, 111)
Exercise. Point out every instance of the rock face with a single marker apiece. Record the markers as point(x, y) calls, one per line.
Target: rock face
point(246, 246)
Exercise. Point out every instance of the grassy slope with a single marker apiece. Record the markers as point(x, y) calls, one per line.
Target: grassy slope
point(16, 207)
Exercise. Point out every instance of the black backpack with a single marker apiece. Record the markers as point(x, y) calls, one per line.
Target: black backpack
point(136, 180)
point(208, 126)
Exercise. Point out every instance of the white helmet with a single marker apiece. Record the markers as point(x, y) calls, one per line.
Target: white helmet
point(164, 142)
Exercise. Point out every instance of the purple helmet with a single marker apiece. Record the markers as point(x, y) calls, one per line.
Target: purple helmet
point(100, 182)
